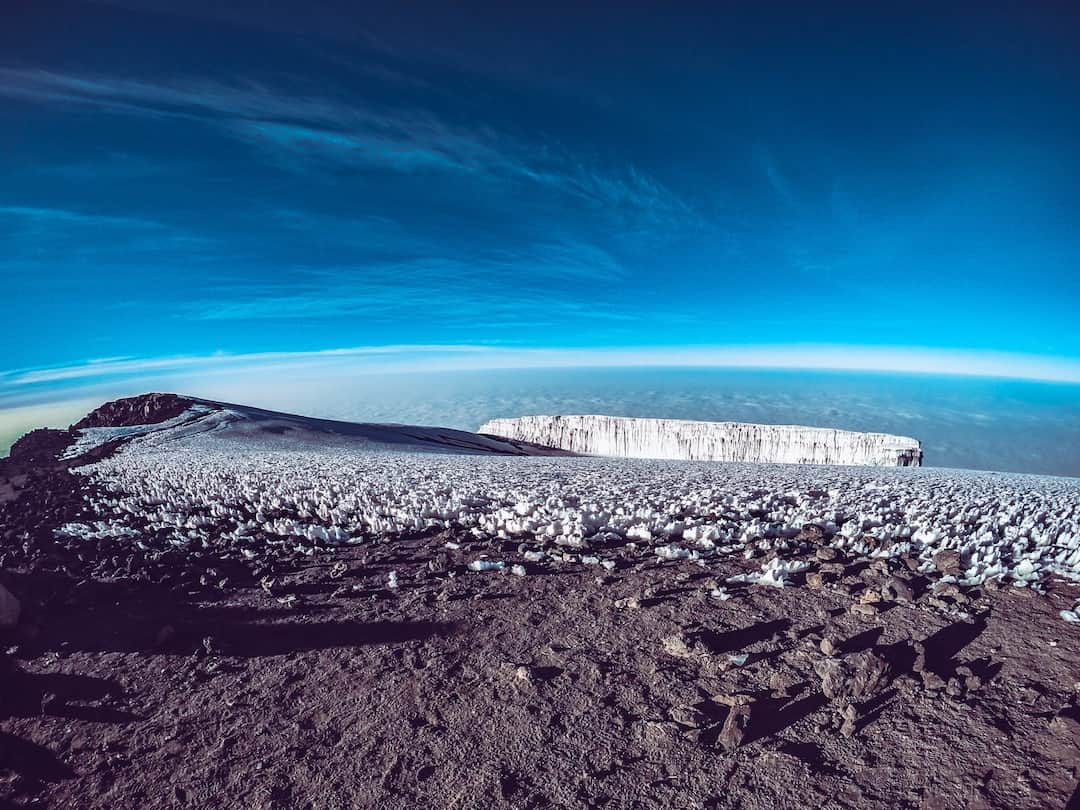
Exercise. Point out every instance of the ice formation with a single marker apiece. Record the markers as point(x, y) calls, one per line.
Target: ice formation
point(708, 441)
point(209, 489)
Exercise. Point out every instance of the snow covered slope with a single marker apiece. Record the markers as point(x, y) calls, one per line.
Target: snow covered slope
point(709, 441)
point(246, 428)
point(269, 429)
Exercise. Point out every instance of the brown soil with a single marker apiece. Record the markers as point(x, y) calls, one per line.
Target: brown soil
point(321, 687)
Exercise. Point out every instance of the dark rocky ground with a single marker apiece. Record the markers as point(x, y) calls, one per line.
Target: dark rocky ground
point(133, 681)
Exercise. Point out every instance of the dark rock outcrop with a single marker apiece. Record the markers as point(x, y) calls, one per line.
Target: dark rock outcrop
point(41, 446)
point(145, 409)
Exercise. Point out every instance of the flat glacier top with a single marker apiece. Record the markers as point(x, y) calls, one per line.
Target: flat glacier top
point(638, 437)
point(198, 491)
point(700, 424)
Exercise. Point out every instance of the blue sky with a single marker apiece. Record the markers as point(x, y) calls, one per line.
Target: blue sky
point(251, 186)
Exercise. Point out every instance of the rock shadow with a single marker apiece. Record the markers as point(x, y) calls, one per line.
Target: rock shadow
point(36, 765)
point(872, 709)
point(258, 640)
point(117, 617)
point(740, 638)
point(811, 754)
point(72, 696)
point(943, 646)
point(861, 641)
point(770, 716)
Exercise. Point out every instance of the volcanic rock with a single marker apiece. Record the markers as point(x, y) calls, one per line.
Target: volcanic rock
point(897, 590)
point(41, 446)
point(857, 677)
point(145, 409)
point(948, 562)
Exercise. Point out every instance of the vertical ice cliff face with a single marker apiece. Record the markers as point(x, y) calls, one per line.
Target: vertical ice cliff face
point(709, 441)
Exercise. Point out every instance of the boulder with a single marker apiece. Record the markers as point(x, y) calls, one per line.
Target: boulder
point(948, 562)
point(856, 677)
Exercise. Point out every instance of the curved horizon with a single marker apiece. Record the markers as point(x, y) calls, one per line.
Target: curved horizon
point(18, 384)
point(972, 422)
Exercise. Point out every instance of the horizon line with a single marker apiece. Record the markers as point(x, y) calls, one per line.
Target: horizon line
point(20, 383)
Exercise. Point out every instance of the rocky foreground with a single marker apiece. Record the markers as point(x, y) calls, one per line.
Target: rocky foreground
point(399, 672)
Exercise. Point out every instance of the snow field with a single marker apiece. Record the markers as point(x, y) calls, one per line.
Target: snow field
point(201, 492)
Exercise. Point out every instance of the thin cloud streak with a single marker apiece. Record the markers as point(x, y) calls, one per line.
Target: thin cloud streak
point(476, 357)
point(404, 140)
point(133, 366)
point(524, 282)
point(65, 217)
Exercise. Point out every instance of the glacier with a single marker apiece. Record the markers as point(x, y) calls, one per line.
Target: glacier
point(679, 439)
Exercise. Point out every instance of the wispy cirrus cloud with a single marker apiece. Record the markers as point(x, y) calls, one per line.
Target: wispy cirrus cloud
point(523, 285)
point(133, 366)
point(48, 217)
point(775, 177)
point(36, 234)
point(379, 304)
point(291, 125)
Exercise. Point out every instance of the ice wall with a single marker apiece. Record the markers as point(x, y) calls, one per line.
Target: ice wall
point(709, 441)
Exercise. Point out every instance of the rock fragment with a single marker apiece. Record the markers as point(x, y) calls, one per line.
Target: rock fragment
point(781, 684)
point(524, 673)
point(897, 590)
point(869, 597)
point(920, 657)
point(849, 716)
point(972, 682)
point(931, 680)
point(737, 721)
point(947, 562)
point(689, 716)
point(811, 533)
point(734, 728)
point(856, 677)
point(677, 646)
